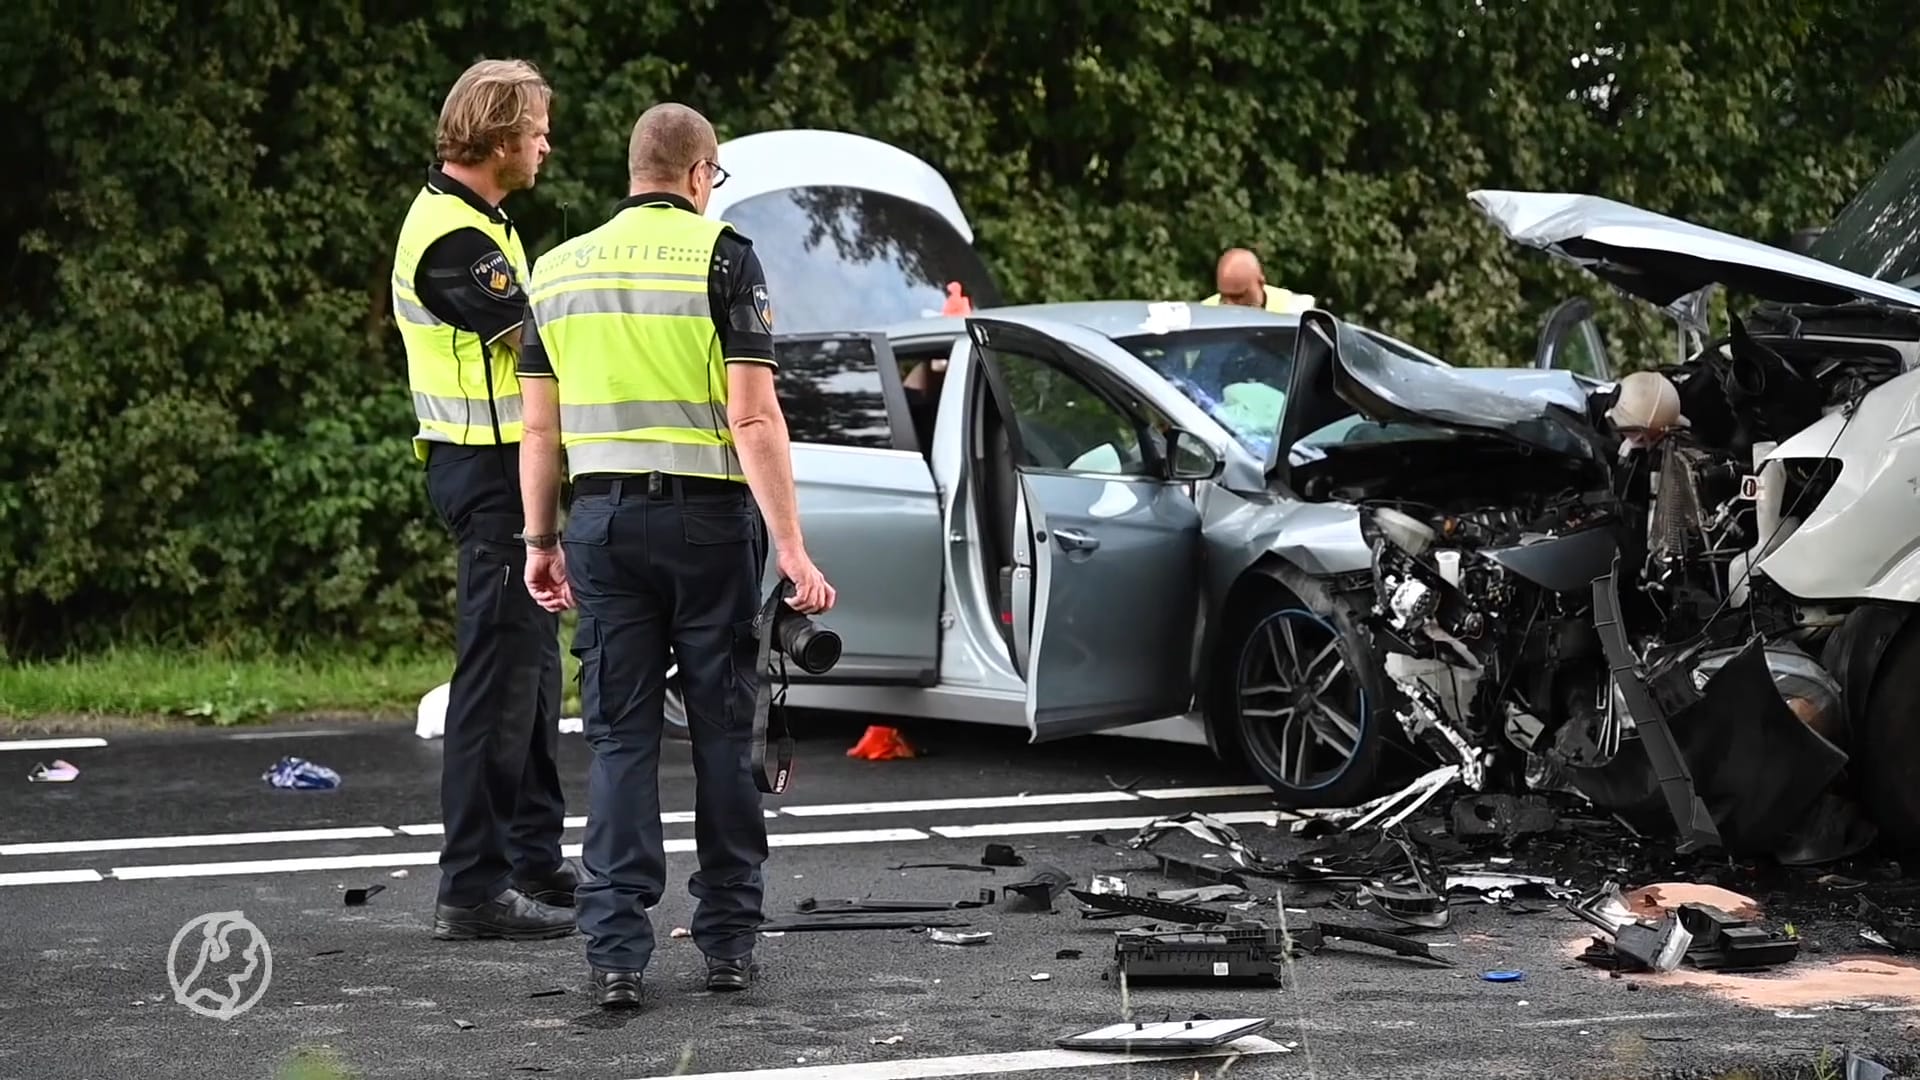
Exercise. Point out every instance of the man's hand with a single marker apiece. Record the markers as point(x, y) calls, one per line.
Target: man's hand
point(547, 578)
point(811, 593)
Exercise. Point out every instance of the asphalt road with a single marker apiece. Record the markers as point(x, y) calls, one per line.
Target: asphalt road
point(89, 924)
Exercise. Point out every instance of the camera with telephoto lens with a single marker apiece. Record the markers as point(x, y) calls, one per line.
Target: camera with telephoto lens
point(802, 640)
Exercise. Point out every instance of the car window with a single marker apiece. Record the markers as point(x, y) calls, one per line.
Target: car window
point(842, 258)
point(1065, 424)
point(831, 393)
point(1237, 375)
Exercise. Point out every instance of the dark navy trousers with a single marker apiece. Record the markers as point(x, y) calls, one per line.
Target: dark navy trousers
point(500, 792)
point(654, 572)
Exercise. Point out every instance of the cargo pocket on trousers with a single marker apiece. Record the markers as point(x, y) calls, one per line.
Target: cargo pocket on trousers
point(744, 687)
point(494, 564)
point(586, 676)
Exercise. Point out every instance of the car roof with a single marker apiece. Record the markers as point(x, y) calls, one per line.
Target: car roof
point(1112, 318)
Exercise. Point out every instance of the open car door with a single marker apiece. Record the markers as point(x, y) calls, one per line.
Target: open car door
point(868, 506)
point(1102, 577)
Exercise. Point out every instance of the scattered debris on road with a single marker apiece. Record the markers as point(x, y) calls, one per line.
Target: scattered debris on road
point(959, 937)
point(1001, 855)
point(60, 772)
point(882, 743)
point(877, 905)
point(299, 774)
point(1199, 1033)
point(1038, 892)
point(358, 897)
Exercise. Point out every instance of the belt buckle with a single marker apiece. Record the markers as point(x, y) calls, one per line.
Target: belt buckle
point(656, 483)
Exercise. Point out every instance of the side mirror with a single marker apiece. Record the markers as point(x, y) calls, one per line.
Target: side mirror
point(1191, 458)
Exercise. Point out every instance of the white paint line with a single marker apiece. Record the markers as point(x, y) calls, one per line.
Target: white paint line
point(671, 817)
point(139, 843)
point(262, 736)
point(988, 1064)
point(978, 802)
point(1204, 792)
point(51, 744)
point(806, 839)
point(1046, 828)
point(1620, 1018)
point(49, 877)
point(276, 866)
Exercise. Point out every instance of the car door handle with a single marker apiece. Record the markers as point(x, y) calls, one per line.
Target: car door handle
point(1074, 540)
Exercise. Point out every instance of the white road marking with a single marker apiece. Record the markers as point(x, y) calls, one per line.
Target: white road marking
point(988, 1064)
point(670, 817)
point(51, 744)
point(679, 817)
point(1043, 828)
point(49, 877)
point(1204, 792)
point(979, 802)
point(138, 843)
point(428, 858)
point(261, 736)
point(276, 866)
point(1621, 1018)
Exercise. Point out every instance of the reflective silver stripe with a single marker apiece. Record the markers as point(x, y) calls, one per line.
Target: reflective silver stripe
point(544, 284)
point(414, 313)
point(455, 410)
point(630, 415)
point(633, 456)
point(621, 302)
point(430, 435)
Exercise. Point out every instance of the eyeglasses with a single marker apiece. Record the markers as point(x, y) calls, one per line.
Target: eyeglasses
point(719, 174)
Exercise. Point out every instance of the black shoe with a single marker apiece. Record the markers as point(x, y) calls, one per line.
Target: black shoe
point(730, 975)
point(554, 888)
point(614, 989)
point(513, 916)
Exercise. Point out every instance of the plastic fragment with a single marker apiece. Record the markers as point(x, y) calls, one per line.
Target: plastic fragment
point(300, 774)
point(60, 772)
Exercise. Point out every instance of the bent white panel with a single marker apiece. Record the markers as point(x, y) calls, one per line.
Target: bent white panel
point(809, 157)
point(1863, 540)
point(1547, 219)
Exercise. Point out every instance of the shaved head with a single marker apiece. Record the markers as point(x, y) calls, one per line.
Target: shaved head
point(668, 142)
point(1239, 280)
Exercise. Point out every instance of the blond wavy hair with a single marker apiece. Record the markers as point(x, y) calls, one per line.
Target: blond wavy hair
point(492, 102)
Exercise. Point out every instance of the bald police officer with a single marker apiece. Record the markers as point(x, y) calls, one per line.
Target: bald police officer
point(458, 276)
point(651, 363)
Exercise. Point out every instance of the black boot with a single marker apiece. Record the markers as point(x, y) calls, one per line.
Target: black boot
point(614, 989)
point(513, 916)
point(730, 975)
point(554, 888)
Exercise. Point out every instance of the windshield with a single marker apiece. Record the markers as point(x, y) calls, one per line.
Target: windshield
point(1239, 377)
point(1878, 233)
point(841, 258)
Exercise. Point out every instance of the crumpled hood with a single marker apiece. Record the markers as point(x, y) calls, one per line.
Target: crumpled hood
point(1663, 259)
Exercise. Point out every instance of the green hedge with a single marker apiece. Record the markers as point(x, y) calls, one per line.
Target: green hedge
point(202, 414)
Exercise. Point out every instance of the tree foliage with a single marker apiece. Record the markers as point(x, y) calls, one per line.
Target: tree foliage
point(203, 418)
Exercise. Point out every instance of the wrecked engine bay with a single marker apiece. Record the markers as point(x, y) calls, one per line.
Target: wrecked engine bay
point(1565, 622)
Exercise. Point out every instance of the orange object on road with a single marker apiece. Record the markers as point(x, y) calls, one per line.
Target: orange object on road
point(881, 744)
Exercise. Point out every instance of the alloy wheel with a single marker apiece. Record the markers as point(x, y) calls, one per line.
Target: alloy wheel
point(1303, 707)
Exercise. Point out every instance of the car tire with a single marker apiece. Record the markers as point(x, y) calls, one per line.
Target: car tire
point(1248, 677)
point(1886, 758)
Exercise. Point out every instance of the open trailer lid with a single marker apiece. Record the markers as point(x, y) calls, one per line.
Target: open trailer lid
point(1663, 259)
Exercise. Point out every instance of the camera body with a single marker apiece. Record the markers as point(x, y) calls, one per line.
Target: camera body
point(813, 648)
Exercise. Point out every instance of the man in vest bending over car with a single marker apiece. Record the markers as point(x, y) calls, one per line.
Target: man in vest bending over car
point(459, 279)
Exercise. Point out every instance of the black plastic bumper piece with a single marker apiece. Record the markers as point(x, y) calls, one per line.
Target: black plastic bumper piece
point(1696, 827)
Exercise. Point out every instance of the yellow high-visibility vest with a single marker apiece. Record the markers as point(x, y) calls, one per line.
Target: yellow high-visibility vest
point(1279, 301)
point(461, 388)
point(624, 317)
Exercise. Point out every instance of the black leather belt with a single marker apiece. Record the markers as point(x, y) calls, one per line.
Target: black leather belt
point(653, 484)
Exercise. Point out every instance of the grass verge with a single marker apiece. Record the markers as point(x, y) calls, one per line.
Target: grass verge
point(153, 686)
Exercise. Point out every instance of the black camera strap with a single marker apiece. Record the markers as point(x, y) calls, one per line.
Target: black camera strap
point(770, 716)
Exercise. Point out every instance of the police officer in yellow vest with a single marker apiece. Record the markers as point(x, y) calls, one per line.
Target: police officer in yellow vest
point(459, 274)
point(650, 362)
point(1242, 283)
